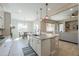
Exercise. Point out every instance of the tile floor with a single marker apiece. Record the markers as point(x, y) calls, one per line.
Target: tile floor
point(68, 49)
point(14, 48)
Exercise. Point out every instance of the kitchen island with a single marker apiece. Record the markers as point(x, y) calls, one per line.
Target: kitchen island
point(44, 44)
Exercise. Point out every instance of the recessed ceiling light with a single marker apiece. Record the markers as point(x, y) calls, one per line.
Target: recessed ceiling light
point(71, 9)
point(49, 9)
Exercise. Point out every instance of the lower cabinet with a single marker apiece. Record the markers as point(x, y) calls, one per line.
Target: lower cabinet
point(44, 47)
point(36, 45)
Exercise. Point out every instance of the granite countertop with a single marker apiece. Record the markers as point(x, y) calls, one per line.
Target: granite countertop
point(45, 36)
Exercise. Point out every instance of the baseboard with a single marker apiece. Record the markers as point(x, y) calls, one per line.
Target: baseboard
point(68, 41)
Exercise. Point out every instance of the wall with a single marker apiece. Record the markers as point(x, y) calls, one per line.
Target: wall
point(15, 23)
point(70, 19)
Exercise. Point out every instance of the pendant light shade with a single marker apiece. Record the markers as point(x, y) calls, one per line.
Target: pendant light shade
point(46, 17)
point(40, 13)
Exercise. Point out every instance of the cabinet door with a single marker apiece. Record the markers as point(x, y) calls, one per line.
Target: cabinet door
point(34, 43)
point(38, 47)
point(52, 44)
point(56, 43)
point(45, 47)
point(30, 40)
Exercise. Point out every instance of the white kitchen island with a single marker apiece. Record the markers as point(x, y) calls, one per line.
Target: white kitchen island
point(44, 44)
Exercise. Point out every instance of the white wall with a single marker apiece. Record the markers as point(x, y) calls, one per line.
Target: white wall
point(16, 22)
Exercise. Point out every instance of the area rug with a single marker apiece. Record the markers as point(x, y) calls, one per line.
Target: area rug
point(28, 51)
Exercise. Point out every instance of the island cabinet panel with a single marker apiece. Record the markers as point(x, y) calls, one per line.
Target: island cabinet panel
point(30, 41)
point(54, 45)
point(37, 46)
point(44, 47)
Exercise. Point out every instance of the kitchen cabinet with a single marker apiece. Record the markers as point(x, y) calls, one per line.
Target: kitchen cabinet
point(1, 23)
point(44, 45)
point(1, 20)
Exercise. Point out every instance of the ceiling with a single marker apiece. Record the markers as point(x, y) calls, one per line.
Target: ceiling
point(64, 14)
point(30, 11)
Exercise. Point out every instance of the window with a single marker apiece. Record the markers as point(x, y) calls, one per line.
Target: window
point(36, 27)
point(50, 27)
point(61, 28)
point(22, 27)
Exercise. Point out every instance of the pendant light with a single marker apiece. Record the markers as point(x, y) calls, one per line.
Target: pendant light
point(41, 14)
point(46, 17)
